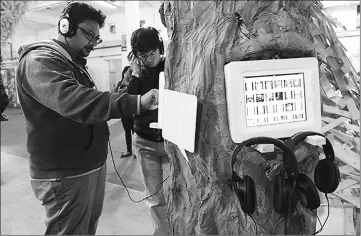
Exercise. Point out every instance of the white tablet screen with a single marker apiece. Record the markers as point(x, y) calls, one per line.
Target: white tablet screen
point(274, 99)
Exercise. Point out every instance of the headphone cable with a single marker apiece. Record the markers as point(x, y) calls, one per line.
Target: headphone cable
point(254, 221)
point(328, 214)
point(111, 153)
point(274, 224)
point(300, 220)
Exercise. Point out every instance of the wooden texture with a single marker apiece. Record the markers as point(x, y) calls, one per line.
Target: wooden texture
point(204, 35)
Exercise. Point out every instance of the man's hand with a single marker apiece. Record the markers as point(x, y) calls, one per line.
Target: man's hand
point(135, 63)
point(149, 101)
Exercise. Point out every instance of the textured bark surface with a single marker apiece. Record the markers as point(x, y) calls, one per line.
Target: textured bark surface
point(204, 35)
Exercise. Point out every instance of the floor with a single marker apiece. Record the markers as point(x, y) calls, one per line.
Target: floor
point(22, 213)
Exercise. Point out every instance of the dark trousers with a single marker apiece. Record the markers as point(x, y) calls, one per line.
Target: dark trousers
point(128, 127)
point(72, 205)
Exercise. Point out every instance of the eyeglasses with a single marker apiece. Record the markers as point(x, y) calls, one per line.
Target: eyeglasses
point(146, 56)
point(91, 36)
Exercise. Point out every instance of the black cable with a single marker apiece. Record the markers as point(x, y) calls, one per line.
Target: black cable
point(111, 153)
point(299, 218)
point(274, 224)
point(328, 214)
point(66, 40)
point(254, 221)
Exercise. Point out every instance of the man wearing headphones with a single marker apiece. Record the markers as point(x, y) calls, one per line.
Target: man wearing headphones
point(66, 121)
point(146, 63)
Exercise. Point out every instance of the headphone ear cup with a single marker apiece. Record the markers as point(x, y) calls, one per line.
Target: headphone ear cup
point(308, 189)
point(250, 194)
point(279, 195)
point(161, 50)
point(327, 176)
point(246, 193)
point(63, 25)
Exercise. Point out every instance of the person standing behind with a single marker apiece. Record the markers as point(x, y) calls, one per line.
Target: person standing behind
point(67, 133)
point(126, 121)
point(146, 64)
point(4, 101)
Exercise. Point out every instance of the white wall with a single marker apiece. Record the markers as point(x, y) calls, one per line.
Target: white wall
point(118, 19)
point(99, 70)
point(47, 34)
point(17, 41)
point(151, 17)
point(352, 45)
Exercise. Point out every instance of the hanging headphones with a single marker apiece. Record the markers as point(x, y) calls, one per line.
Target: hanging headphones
point(65, 25)
point(135, 40)
point(327, 174)
point(245, 187)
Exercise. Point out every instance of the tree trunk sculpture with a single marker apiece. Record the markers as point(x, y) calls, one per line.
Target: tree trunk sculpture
point(204, 36)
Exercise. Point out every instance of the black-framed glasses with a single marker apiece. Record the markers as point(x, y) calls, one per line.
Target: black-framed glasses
point(146, 56)
point(91, 36)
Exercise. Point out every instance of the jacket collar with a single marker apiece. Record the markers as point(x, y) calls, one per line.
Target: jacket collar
point(74, 55)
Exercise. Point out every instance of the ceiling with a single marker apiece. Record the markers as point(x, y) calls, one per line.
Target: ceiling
point(45, 14)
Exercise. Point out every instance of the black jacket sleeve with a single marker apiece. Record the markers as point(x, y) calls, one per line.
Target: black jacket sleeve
point(130, 84)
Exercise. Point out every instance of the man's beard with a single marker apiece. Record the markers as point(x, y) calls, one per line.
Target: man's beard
point(86, 51)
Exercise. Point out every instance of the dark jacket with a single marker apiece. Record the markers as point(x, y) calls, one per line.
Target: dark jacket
point(148, 80)
point(65, 117)
point(4, 99)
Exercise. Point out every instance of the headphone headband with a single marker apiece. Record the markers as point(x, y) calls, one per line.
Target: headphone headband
point(66, 25)
point(67, 9)
point(289, 159)
point(327, 148)
point(134, 40)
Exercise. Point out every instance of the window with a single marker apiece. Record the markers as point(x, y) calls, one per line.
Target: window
point(112, 29)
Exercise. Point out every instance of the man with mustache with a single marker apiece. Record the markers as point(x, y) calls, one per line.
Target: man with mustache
point(66, 121)
point(147, 61)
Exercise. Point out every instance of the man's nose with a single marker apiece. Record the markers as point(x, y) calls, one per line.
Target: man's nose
point(149, 58)
point(93, 43)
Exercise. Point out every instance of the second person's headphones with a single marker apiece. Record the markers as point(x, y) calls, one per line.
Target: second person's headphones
point(134, 41)
point(287, 186)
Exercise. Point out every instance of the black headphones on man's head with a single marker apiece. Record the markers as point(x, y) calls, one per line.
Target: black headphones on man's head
point(65, 25)
point(287, 186)
point(135, 40)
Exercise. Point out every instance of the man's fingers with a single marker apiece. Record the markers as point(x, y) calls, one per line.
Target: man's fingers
point(155, 99)
point(149, 101)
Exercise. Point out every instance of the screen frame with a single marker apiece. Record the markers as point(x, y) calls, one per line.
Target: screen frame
point(235, 72)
